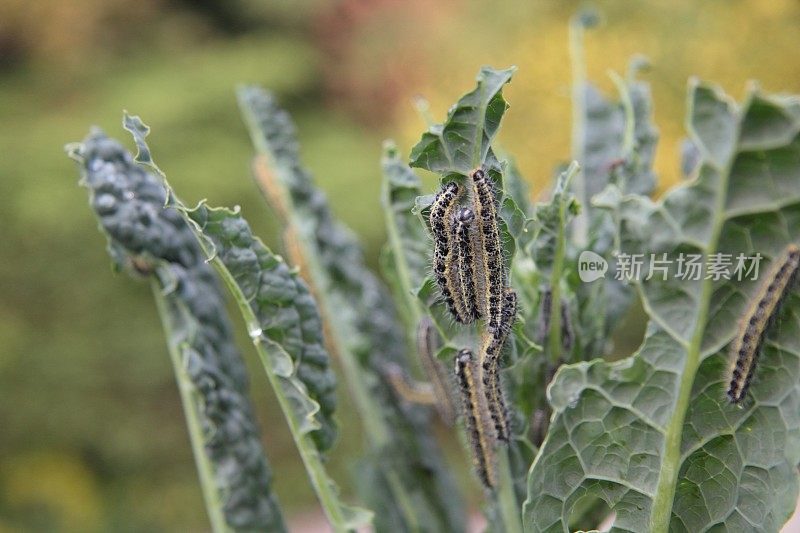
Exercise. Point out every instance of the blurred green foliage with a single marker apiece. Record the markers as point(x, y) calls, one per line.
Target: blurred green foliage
point(92, 436)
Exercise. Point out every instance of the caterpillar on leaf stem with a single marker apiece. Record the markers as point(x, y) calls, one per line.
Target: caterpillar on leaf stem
point(757, 321)
point(489, 253)
point(441, 214)
point(461, 268)
point(475, 410)
point(490, 365)
point(435, 370)
point(408, 389)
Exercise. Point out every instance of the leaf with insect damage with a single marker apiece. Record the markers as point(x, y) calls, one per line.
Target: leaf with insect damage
point(654, 435)
point(404, 458)
point(146, 238)
point(283, 320)
point(454, 150)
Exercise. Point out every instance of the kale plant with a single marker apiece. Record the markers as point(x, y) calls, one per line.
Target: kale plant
point(501, 310)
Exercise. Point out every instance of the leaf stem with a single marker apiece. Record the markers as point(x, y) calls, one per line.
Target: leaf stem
point(326, 493)
point(375, 426)
point(578, 67)
point(192, 410)
point(554, 335)
point(670, 465)
point(423, 108)
point(506, 500)
point(628, 138)
point(403, 271)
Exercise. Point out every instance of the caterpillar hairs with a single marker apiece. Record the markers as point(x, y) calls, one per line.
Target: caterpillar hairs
point(757, 321)
point(489, 254)
point(475, 413)
point(490, 365)
point(441, 214)
point(434, 369)
point(407, 389)
point(543, 327)
point(461, 268)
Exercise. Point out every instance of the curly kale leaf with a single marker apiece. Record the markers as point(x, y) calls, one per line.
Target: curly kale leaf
point(364, 330)
point(148, 239)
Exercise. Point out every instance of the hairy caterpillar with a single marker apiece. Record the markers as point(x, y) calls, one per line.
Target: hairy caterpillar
point(434, 369)
point(441, 214)
point(406, 388)
point(489, 253)
point(758, 319)
point(461, 269)
point(490, 363)
point(543, 329)
point(475, 413)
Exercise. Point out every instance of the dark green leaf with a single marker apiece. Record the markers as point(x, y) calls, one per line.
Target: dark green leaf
point(365, 329)
point(283, 321)
point(147, 239)
point(286, 314)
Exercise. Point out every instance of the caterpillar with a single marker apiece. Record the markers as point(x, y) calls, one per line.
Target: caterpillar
point(489, 253)
point(461, 270)
point(440, 215)
point(543, 329)
point(408, 389)
point(757, 321)
point(490, 364)
point(439, 379)
point(475, 411)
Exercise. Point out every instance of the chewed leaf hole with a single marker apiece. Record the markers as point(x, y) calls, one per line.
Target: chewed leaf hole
point(591, 513)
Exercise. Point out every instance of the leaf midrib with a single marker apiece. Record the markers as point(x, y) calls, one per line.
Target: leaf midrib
point(400, 259)
point(672, 458)
point(477, 146)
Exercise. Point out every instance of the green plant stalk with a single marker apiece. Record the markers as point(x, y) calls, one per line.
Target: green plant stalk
point(412, 302)
point(628, 139)
point(506, 500)
point(374, 425)
point(668, 478)
point(578, 68)
point(554, 335)
point(191, 406)
point(396, 244)
point(312, 461)
point(405, 503)
point(423, 109)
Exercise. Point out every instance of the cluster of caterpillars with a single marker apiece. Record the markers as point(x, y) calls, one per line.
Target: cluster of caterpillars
point(758, 320)
point(469, 268)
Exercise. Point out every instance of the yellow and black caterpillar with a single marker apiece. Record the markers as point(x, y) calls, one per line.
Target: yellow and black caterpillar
point(490, 366)
point(441, 216)
point(492, 282)
point(758, 319)
point(469, 268)
point(474, 403)
point(468, 259)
